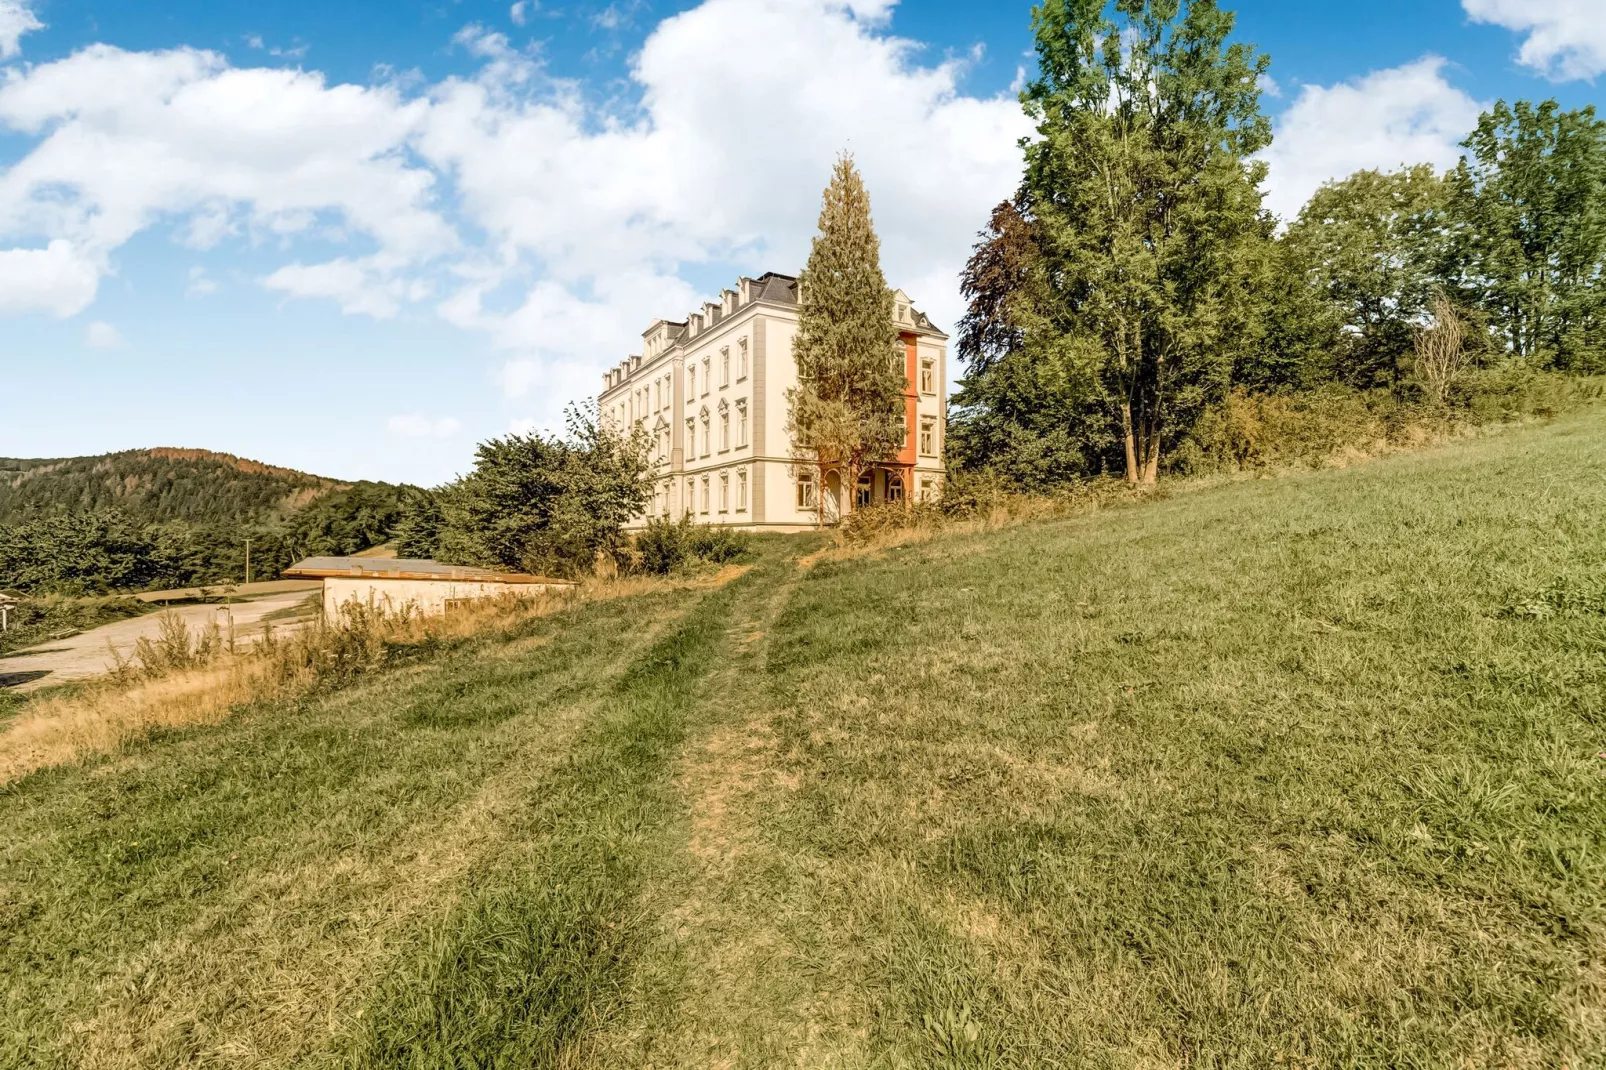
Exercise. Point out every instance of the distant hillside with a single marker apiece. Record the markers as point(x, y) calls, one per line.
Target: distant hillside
point(156, 485)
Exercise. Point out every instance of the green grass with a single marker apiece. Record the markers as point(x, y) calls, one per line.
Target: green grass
point(1303, 771)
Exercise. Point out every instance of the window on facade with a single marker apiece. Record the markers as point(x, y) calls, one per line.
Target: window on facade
point(741, 423)
point(705, 494)
point(725, 366)
point(691, 382)
point(741, 359)
point(724, 492)
point(706, 377)
point(864, 491)
point(927, 489)
point(895, 488)
point(691, 495)
point(691, 438)
point(928, 435)
point(724, 428)
point(708, 441)
point(741, 490)
point(806, 496)
point(928, 377)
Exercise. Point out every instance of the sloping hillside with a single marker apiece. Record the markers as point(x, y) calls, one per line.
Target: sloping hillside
point(156, 485)
point(1301, 771)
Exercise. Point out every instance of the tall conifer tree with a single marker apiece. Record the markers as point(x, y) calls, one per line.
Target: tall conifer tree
point(847, 410)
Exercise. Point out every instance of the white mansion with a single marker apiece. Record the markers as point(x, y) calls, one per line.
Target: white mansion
point(711, 392)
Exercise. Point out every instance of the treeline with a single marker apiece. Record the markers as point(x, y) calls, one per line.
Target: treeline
point(106, 550)
point(1135, 290)
point(157, 486)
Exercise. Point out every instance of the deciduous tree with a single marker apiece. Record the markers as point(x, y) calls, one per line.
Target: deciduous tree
point(1148, 202)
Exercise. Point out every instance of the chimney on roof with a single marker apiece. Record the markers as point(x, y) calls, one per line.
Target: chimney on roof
point(727, 301)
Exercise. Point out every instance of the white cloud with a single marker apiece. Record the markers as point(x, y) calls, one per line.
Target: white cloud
point(100, 335)
point(57, 279)
point(127, 139)
point(1566, 38)
point(16, 19)
point(725, 163)
point(413, 425)
point(520, 12)
point(200, 285)
point(571, 225)
point(371, 286)
point(1387, 119)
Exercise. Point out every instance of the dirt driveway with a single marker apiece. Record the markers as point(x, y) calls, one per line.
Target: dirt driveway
point(89, 653)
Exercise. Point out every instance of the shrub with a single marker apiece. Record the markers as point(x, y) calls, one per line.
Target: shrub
point(717, 546)
point(665, 546)
point(661, 547)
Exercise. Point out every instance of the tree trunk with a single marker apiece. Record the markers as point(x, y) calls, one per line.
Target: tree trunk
point(1130, 434)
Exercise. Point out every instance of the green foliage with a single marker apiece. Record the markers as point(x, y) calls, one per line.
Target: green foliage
point(77, 553)
point(1147, 206)
point(1026, 409)
point(847, 408)
point(665, 546)
point(1371, 247)
point(156, 485)
point(1529, 242)
point(547, 505)
point(108, 550)
point(418, 532)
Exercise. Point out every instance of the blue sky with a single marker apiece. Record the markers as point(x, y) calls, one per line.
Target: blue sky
point(356, 237)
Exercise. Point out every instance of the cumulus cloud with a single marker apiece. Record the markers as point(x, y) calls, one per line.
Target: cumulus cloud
point(100, 335)
point(1385, 120)
point(16, 19)
point(57, 279)
point(370, 286)
point(127, 139)
point(556, 226)
point(725, 164)
point(1566, 38)
point(413, 425)
point(521, 11)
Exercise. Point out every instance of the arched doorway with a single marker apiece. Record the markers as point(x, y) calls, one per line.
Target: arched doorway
point(894, 488)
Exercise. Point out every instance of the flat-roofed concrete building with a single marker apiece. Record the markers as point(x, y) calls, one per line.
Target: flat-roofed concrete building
point(710, 391)
point(395, 585)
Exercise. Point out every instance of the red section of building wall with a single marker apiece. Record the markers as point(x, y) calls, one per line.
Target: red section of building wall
point(911, 399)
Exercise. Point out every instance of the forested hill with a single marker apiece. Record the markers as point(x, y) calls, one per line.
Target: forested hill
point(155, 486)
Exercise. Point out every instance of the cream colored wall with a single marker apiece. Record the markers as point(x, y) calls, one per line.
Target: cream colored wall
point(771, 329)
point(428, 597)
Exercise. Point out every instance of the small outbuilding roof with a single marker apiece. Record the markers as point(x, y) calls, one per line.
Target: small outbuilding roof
point(397, 568)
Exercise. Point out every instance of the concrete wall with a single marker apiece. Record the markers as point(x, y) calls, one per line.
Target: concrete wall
point(428, 597)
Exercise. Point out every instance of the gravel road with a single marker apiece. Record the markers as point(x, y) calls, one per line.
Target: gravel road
point(88, 654)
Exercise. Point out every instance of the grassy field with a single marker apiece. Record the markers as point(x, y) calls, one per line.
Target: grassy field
point(1306, 771)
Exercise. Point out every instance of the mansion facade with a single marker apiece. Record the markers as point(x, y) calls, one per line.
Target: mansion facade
point(710, 392)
